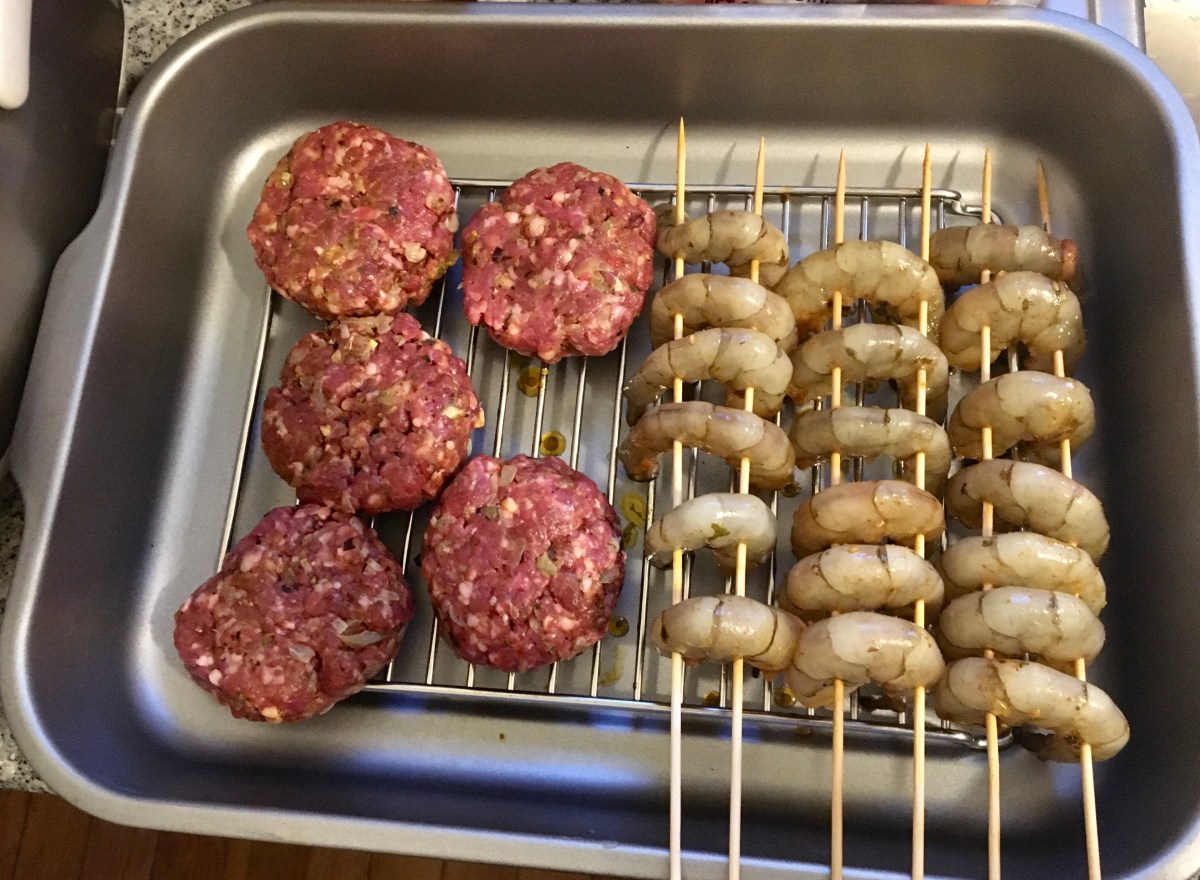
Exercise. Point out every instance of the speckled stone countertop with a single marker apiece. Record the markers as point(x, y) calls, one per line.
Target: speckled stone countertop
point(150, 27)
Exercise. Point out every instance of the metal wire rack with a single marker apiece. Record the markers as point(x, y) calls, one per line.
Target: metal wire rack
point(574, 409)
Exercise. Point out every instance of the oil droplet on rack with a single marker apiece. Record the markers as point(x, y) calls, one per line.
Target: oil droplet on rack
point(629, 536)
point(613, 674)
point(530, 381)
point(618, 627)
point(784, 697)
point(553, 443)
point(633, 507)
point(712, 699)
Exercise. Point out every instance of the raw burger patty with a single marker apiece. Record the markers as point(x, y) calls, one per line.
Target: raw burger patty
point(523, 561)
point(370, 415)
point(305, 609)
point(559, 265)
point(353, 221)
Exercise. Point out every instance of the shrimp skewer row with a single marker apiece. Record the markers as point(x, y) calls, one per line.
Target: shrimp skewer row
point(743, 358)
point(1091, 826)
point(986, 515)
point(739, 583)
point(676, 790)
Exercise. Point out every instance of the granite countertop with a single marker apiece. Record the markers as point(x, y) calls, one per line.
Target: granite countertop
point(150, 27)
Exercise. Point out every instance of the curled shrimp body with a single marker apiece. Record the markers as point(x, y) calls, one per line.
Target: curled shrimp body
point(1021, 559)
point(720, 520)
point(1018, 307)
point(1032, 496)
point(721, 628)
point(1068, 711)
point(861, 577)
point(870, 432)
point(1012, 621)
point(1036, 409)
point(961, 253)
point(858, 647)
point(881, 272)
point(731, 434)
point(736, 357)
point(735, 238)
point(866, 512)
point(883, 352)
point(720, 301)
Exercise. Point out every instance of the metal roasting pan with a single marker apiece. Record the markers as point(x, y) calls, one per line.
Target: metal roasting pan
point(136, 448)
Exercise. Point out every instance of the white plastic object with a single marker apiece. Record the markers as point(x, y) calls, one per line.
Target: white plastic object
point(15, 16)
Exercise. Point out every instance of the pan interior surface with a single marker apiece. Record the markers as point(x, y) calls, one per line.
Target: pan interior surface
point(177, 329)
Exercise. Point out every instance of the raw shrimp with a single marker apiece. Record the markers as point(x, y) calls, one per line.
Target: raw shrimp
point(721, 628)
point(870, 432)
point(1037, 409)
point(1021, 559)
point(720, 301)
point(1032, 496)
point(871, 351)
point(732, 434)
point(861, 577)
point(866, 512)
point(736, 357)
point(732, 237)
point(881, 272)
point(720, 520)
point(1020, 693)
point(1019, 307)
point(858, 647)
point(1055, 627)
point(961, 253)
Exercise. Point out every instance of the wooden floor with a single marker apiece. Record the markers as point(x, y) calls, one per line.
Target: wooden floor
point(42, 837)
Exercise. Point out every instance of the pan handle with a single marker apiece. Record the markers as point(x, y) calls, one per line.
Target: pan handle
point(54, 387)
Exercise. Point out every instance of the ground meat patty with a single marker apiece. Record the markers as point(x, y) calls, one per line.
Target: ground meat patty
point(353, 221)
point(559, 265)
point(523, 561)
point(305, 609)
point(371, 414)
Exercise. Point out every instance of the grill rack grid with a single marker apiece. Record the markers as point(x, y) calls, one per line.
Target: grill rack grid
point(804, 213)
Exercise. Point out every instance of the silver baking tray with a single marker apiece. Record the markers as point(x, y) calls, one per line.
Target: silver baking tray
point(136, 448)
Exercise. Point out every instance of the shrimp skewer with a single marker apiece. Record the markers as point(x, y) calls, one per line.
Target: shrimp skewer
point(1020, 307)
point(867, 512)
point(720, 521)
point(870, 432)
point(1021, 559)
point(736, 238)
point(962, 254)
point(1088, 779)
point(1033, 496)
point(720, 301)
point(864, 352)
point(1012, 621)
point(723, 628)
point(1078, 715)
point(860, 577)
point(736, 357)
point(858, 647)
point(879, 272)
point(731, 434)
point(1038, 410)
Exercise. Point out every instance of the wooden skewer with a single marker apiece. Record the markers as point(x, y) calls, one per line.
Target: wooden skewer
point(918, 803)
point(739, 589)
point(993, 746)
point(1087, 771)
point(837, 784)
point(676, 796)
